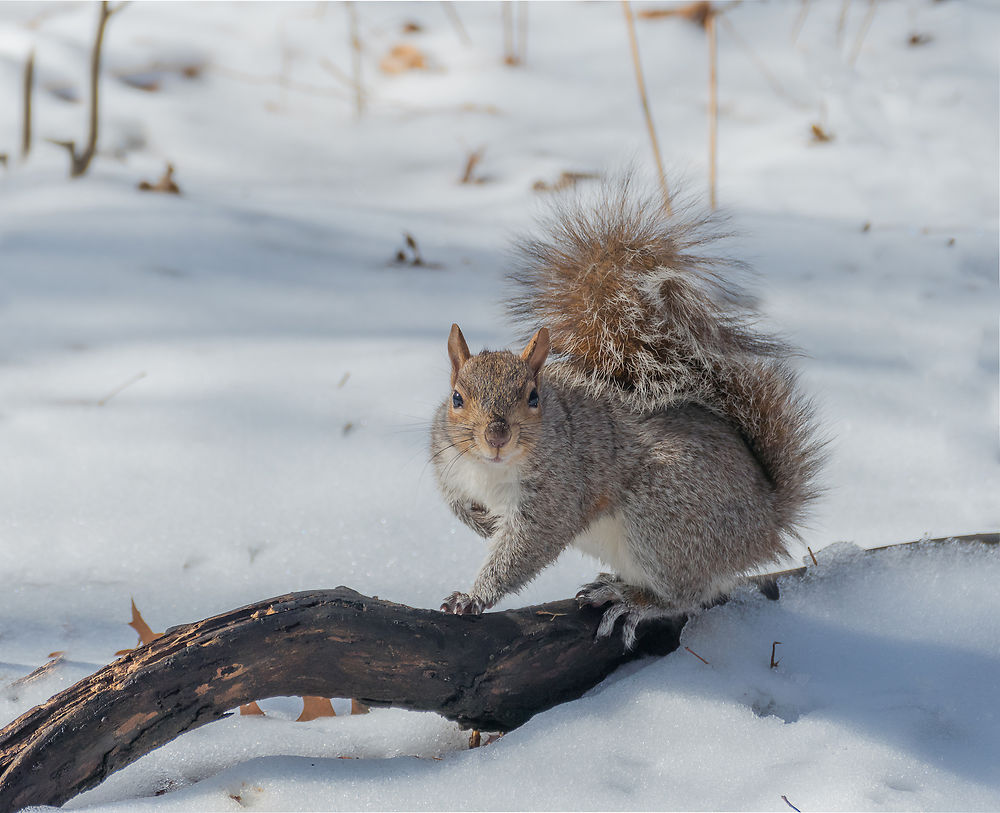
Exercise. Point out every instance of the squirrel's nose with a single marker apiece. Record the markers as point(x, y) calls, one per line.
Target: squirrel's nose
point(497, 434)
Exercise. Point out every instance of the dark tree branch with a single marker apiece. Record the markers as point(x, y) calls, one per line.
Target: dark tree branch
point(490, 672)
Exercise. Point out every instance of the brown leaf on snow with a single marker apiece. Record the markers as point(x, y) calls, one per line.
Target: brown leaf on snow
point(251, 710)
point(315, 707)
point(138, 623)
point(401, 58)
point(165, 184)
point(819, 135)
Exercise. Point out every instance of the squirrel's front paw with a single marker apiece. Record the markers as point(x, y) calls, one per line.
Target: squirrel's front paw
point(462, 604)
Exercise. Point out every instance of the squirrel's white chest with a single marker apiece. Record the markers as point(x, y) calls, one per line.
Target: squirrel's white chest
point(605, 539)
point(496, 487)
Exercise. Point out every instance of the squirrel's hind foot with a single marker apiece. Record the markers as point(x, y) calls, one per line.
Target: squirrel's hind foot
point(462, 604)
point(632, 603)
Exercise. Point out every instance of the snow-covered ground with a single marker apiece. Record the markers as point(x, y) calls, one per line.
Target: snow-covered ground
point(279, 372)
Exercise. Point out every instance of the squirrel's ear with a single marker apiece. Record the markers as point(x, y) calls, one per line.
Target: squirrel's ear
point(458, 351)
point(537, 350)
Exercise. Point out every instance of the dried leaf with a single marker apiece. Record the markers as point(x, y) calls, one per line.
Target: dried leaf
point(401, 58)
point(315, 707)
point(165, 185)
point(146, 635)
point(820, 135)
point(358, 707)
point(251, 710)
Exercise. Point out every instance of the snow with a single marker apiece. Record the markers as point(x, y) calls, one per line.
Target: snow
point(238, 463)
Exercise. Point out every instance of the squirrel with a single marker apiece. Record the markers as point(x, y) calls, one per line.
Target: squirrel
point(669, 439)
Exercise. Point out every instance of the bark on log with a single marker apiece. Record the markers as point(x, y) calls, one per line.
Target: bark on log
point(491, 672)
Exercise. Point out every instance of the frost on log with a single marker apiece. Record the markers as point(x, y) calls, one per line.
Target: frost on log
point(491, 672)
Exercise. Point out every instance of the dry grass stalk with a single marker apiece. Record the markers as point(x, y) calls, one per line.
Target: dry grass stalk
point(696, 12)
point(800, 21)
point(79, 162)
point(774, 662)
point(641, 82)
point(456, 21)
point(469, 176)
point(514, 49)
point(29, 84)
point(865, 25)
point(522, 31)
point(842, 21)
point(713, 107)
point(355, 38)
point(776, 86)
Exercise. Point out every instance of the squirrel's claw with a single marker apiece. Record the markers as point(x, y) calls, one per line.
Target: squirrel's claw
point(605, 589)
point(462, 604)
point(625, 602)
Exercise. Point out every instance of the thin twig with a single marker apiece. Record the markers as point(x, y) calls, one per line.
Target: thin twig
point(456, 21)
point(793, 807)
point(80, 162)
point(29, 84)
point(773, 661)
point(842, 21)
point(359, 97)
point(865, 25)
point(522, 31)
point(772, 81)
point(699, 657)
point(800, 21)
point(117, 390)
point(291, 84)
point(713, 106)
point(641, 83)
point(333, 70)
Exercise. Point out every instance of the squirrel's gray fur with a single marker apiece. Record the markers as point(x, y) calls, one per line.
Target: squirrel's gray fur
point(669, 438)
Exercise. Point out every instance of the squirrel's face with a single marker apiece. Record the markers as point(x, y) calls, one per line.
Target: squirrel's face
point(494, 411)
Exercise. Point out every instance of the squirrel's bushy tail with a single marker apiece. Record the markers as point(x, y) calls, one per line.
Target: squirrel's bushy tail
point(638, 307)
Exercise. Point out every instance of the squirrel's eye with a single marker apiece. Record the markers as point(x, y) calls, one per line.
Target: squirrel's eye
point(533, 398)
point(456, 400)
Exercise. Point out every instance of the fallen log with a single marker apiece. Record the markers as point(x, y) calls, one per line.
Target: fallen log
point(491, 672)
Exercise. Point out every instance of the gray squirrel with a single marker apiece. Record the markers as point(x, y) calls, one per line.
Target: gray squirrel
point(669, 439)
